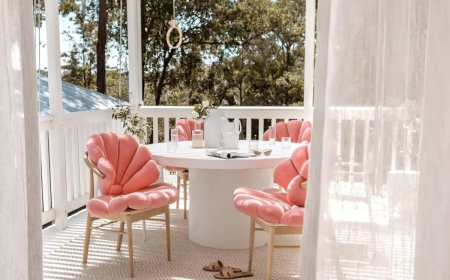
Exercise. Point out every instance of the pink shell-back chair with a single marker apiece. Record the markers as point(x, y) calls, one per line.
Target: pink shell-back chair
point(299, 131)
point(126, 178)
point(285, 207)
point(275, 211)
point(129, 174)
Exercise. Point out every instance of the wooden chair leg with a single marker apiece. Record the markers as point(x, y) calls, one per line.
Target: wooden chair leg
point(178, 187)
point(168, 232)
point(130, 245)
point(185, 179)
point(251, 244)
point(271, 245)
point(119, 239)
point(87, 238)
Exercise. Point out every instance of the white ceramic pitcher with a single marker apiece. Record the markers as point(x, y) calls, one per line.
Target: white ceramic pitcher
point(230, 132)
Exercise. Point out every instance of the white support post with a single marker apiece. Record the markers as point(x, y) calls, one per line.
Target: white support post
point(135, 52)
point(57, 153)
point(155, 130)
point(249, 129)
point(20, 207)
point(261, 129)
point(310, 26)
point(166, 129)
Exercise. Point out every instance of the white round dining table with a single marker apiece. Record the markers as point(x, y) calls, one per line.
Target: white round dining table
point(213, 220)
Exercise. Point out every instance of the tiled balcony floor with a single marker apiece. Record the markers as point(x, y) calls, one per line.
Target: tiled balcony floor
point(63, 251)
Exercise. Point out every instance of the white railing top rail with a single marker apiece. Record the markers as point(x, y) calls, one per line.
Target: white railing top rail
point(256, 112)
point(78, 118)
point(87, 117)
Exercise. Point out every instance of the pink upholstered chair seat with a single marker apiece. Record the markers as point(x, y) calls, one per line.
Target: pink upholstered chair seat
point(185, 128)
point(129, 174)
point(287, 206)
point(299, 131)
point(150, 197)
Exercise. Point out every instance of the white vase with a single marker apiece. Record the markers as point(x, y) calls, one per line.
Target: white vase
point(213, 128)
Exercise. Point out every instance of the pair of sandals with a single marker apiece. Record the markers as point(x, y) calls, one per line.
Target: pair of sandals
point(226, 272)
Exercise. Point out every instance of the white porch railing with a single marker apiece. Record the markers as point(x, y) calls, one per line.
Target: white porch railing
point(244, 113)
point(79, 126)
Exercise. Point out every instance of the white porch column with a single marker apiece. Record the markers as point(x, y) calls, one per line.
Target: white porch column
point(57, 153)
point(135, 51)
point(20, 207)
point(310, 26)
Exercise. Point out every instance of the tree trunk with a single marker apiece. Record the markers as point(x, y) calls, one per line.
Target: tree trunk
point(230, 99)
point(161, 81)
point(286, 96)
point(241, 101)
point(240, 97)
point(288, 60)
point(101, 47)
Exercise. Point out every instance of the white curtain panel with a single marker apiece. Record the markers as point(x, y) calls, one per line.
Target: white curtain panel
point(381, 118)
point(20, 206)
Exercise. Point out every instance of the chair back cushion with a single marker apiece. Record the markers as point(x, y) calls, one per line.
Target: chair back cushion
point(291, 173)
point(299, 131)
point(185, 128)
point(128, 166)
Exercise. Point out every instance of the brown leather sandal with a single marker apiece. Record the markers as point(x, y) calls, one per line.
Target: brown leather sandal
point(228, 273)
point(217, 266)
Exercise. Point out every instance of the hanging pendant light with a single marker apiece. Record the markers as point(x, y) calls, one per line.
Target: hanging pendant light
point(173, 24)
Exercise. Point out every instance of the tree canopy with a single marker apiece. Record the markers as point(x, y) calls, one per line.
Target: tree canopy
point(234, 52)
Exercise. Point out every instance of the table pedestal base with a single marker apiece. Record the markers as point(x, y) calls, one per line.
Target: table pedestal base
point(213, 220)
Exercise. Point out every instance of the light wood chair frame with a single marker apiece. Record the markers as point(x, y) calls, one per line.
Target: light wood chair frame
point(273, 230)
point(183, 175)
point(129, 216)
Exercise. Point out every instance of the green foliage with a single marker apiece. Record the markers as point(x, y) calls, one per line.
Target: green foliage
point(245, 52)
point(234, 52)
point(131, 123)
point(80, 63)
point(39, 12)
point(112, 85)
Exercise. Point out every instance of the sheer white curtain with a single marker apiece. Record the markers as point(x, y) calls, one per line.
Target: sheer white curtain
point(20, 210)
point(376, 82)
